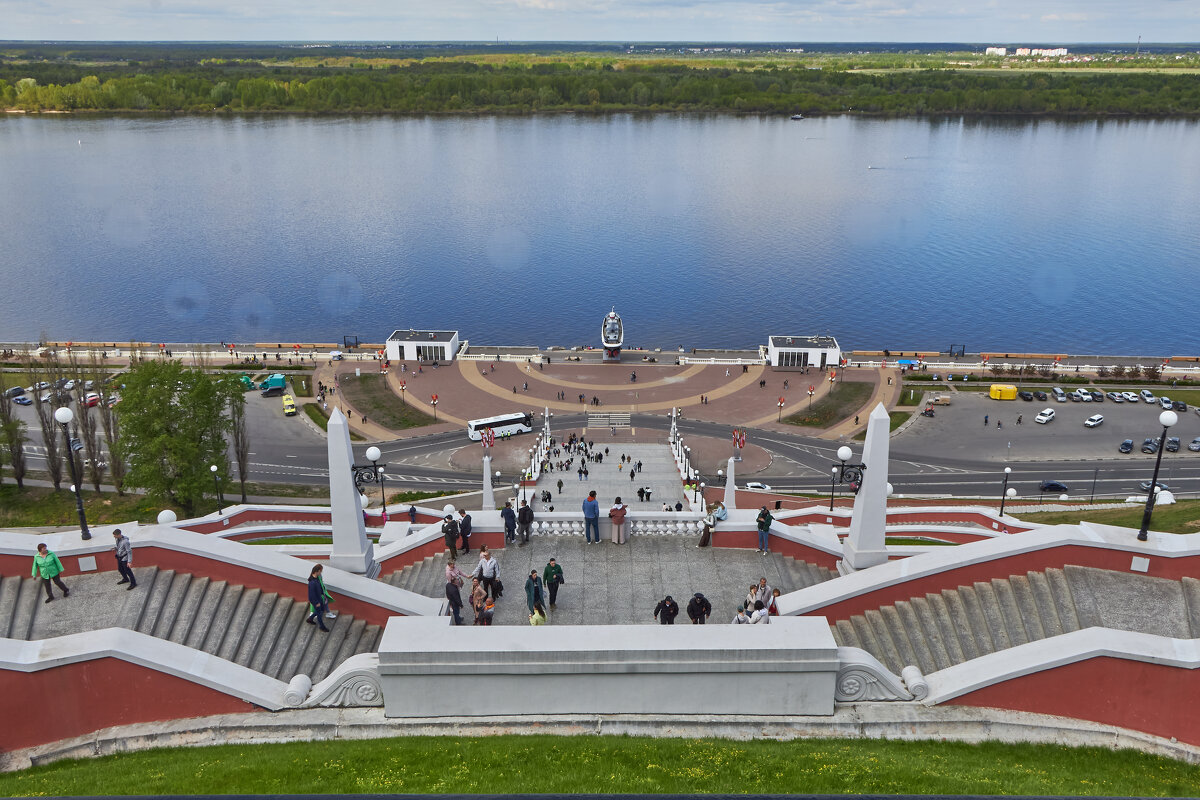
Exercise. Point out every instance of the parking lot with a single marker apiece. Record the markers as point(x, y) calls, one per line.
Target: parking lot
point(958, 430)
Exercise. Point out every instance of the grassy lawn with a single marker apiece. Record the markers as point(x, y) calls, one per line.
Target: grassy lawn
point(317, 415)
point(917, 541)
point(911, 395)
point(897, 418)
point(370, 395)
point(610, 764)
point(845, 401)
point(413, 497)
point(278, 540)
point(1182, 517)
point(38, 506)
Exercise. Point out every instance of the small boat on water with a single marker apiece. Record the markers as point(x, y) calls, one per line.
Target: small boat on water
point(612, 335)
point(797, 116)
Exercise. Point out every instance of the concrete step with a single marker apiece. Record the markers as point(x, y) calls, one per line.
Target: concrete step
point(843, 634)
point(943, 618)
point(960, 623)
point(993, 617)
point(293, 638)
point(325, 661)
point(888, 653)
point(1043, 600)
point(272, 632)
point(865, 633)
point(223, 610)
point(1030, 614)
point(353, 635)
point(203, 614)
point(307, 661)
point(156, 596)
point(897, 628)
point(10, 588)
point(169, 612)
point(415, 571)
point(239, 623)
point(185, 613)
point(369, 643)
point(255, 625)
point(1191, 594)
point(28, 600)
point(1060, 590)
point(931, 633)
point(1010, 615)
point(976, 625)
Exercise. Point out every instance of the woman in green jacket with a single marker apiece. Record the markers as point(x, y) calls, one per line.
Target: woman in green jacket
point(49, 567)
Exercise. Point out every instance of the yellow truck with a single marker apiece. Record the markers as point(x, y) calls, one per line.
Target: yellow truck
point(1002, 391)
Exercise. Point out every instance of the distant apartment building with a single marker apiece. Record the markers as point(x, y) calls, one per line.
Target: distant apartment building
point(1050, 52)
point(1021, 51)
point(996, 51)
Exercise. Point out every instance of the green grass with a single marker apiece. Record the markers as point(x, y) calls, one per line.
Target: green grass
point(917, 541)
point(1181, 517)
point(301, 385)
point(317, 415)
point(610, 764)
point(911, 395)
point(277, 540)
point(845, 401)
point(896, 419)
point(370, 395)
point(38, 506)
point(413, 497)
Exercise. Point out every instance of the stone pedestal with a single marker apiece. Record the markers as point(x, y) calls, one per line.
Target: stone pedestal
point(789, 667)
point(730, 488)
point(352, 551)
point(866, 545)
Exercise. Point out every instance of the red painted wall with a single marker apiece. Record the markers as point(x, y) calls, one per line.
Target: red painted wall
point(493, 540)
point(1019, 564)
point(1131, 694)
point(76, 699)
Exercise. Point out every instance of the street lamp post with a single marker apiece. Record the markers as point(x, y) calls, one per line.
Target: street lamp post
point(64, 416)
point(373, 455)
point(699, 492)
point(1004, 490)
point(846, 473)
point(217, 488)
point(1166, 419)
point(780, 404)
point(832, 487)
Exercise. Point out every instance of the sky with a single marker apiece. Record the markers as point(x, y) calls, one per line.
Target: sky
point(979, 21)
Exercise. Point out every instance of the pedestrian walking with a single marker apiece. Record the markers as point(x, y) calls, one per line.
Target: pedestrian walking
point(524, 522)
point(124, 553)
point(764, 521)
point(478, 598)
point(985, 420)
point(642, 495)
point(412, 515)
point(510, 523)
point(552, 578)
point(591, 518)
point(454, 598)
point(47, 566)
point(318, 603)
point(538, 615)
point(533, 590)
point(560, 485)
point(666, 611)
point(741, 618)
point(488, 573)
point(450, 534)
point(617, 515)
point(1018, 419)
point(763, 592)
point(699, 609)
point(454, 574)
point(464, 530)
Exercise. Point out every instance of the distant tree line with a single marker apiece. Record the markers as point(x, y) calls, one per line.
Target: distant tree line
point(437, 87)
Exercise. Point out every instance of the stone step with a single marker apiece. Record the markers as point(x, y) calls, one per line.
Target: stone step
point(185, 613)
point(28, 600)
point(843, 634)
point(931, 633)
point(1060, 590)
point(976, 625)
point(865, 633)
point(223, 610)
point(256, 624)
point(1027, 605)
point(169, 612)
point(1010, 615)
point(369, 643)
point(888, 653)
point(239, 623)
point(1191, 593)
point(993, 617)
point(203, 613)
point(293, 638)
point(940, 611)
point(1043, 600)
point(896, 627)
point(353, 635)
point(10, 588)
point(272, 633)
point(960, 623)
point(156, 597)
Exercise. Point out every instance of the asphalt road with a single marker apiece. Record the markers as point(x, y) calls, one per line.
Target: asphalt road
point(951, 454)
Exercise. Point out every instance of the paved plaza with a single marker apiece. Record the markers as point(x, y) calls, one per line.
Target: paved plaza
point(610, 479)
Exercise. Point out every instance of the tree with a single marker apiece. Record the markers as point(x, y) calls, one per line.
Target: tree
point(12, 435)
point(1152, 372)
point(108, 388)
point(86, 419)
point(173, 427)
point(48, 371)
point(239, 434)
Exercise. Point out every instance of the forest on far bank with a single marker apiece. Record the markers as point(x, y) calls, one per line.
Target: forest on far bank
point(596, 84)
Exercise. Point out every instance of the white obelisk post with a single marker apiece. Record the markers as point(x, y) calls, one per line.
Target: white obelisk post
point(866, 545)
point(352, 551)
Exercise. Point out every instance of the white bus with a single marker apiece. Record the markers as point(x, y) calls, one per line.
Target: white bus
point(517, 422)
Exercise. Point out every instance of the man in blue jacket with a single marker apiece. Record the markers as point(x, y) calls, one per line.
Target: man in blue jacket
point(510, 523)
point(591, 518)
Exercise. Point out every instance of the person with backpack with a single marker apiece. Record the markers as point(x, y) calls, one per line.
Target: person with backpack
point(764, 526)
point(699, 609)
point(450, 535)
point(524, 522)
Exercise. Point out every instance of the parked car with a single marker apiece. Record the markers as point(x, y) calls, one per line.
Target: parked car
point(1150, 446)
point(1059, 395)
point(68, 386)
point(1172, 444)
point(1098, 395)
point(89, 385)
point(23, 400)
point(61, 383)
point(1195, 445)
point(37, 387)
point(1126, 446)
point(1130, 397)
point(1180, 405)
point(1040, 395)
point(1145, 486)
point(15, 391)
point(1116, 397)
point(1047, 415)
point(762, 487)
point(1053, 486)
point(92, 399)
point(1094, 421)
point(1166, 403)
point(1147, 396)
point(1026, 396)
point(76, 445)
point(289, 406)
point(46, 397)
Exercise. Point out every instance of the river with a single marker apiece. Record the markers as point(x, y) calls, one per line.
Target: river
point(703, 231)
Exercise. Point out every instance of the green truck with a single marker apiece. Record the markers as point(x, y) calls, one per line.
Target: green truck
point(247, 384)
point(274, 385)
